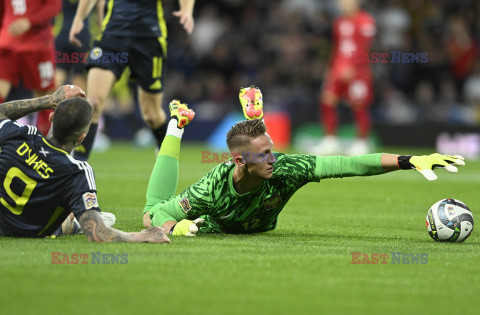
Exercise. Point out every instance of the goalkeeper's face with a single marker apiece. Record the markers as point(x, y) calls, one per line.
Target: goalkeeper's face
point(259, 157)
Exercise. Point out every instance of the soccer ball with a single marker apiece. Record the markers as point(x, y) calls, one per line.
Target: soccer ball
point(449, 220)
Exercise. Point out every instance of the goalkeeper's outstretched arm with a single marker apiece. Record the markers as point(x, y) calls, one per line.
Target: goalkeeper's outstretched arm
point(374, 164)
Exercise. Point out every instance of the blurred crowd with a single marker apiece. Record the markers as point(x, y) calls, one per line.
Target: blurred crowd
point(284, 48)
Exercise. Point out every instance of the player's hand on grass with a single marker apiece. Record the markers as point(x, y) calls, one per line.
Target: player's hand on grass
point(75, 29)
point(154, 235)
point(187, 227)
point(425, 164)
point(186, 20)
point(19, 27)
point(65, 92)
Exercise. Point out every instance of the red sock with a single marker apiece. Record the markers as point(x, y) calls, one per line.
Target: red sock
point(2, 100)
point(362, 118)
point(43, 124)
point(329, 119)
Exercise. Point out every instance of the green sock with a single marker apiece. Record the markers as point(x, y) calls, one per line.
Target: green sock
point(164, 178)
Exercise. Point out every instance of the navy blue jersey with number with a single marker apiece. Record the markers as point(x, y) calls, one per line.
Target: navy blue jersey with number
point(39, 183)
point(136, 18)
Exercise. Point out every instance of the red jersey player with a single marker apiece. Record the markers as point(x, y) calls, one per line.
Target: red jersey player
point(27, 49)
point(348, 78)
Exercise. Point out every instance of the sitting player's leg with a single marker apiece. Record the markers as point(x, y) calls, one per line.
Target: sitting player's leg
point(164, 177)
point(153, 113)
point(99, 84)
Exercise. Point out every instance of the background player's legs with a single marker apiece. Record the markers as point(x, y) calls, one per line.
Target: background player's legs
point(153, 113)
point(80, 80)
point(362, 119)
point(99, 84)
point(43, 122)
point(37, 70)
point(360, 97)
point(5, 87)
point(61, 77)
point(329, 145)
point(9, 72)
point(164, 178)
point(328, 104)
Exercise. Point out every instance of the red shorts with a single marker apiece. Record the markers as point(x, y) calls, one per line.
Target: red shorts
point(35, 68)
point(358, 92)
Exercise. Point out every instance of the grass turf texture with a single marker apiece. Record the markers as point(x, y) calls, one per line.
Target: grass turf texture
point(304, 266)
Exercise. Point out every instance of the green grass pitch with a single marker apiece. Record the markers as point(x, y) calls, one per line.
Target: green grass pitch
point(304, 266)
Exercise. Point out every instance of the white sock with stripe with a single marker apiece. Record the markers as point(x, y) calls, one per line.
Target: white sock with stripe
point(173, 129)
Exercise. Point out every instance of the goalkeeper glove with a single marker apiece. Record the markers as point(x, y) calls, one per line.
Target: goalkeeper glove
point(425, 164)
point(187, 227)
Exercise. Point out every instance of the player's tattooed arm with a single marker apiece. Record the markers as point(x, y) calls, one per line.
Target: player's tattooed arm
point(96, 231)
point(17, 109)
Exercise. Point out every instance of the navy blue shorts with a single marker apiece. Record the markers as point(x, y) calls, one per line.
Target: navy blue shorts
point(70, 57)
point(145, 57)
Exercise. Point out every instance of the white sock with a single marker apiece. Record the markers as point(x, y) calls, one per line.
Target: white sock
point(173, 130)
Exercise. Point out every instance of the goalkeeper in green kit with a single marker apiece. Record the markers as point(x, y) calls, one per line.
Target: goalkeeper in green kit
point(246, 194)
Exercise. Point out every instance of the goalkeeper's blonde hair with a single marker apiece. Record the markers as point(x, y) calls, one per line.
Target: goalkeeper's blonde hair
point(243, 132)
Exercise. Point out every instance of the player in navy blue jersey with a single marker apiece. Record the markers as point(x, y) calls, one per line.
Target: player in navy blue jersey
point(41, 182)
point(70, 58)
point(134, 34)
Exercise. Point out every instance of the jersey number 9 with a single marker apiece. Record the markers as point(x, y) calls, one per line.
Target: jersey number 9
point(18, 200)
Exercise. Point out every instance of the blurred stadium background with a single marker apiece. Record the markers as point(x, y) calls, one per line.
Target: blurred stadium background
point(284, 47)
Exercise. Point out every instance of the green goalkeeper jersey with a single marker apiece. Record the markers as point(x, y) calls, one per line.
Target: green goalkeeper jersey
point(214, 197)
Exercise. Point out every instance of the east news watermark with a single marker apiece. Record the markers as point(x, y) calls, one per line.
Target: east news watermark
point(394, 56)
point(250, 157)
point(96, 56)
point(93, 258)
point(393, 258)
